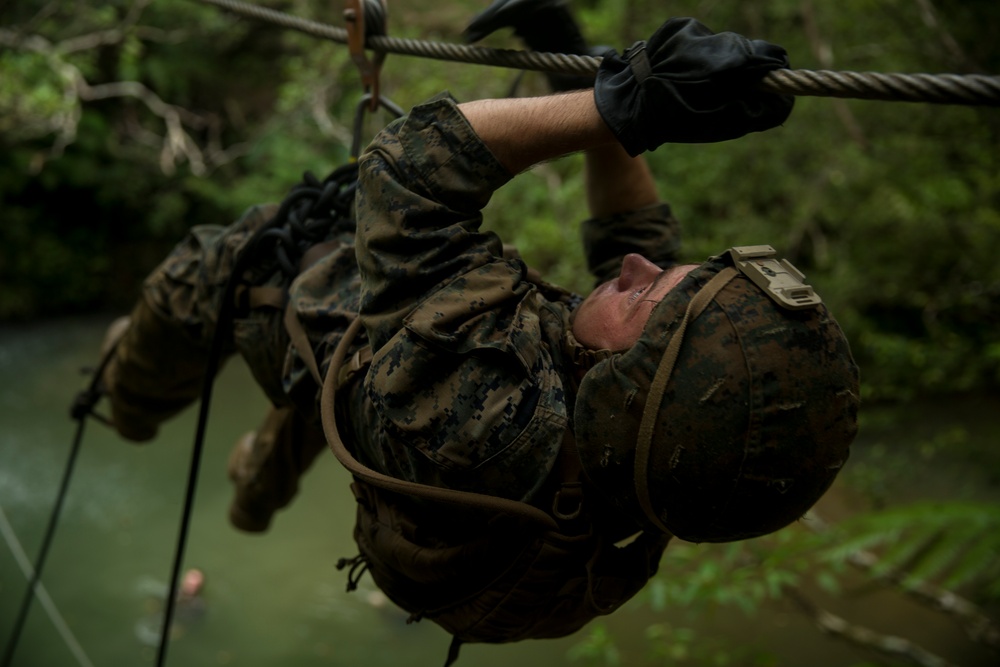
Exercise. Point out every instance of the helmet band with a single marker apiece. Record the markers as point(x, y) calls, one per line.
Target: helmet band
point(644, 439)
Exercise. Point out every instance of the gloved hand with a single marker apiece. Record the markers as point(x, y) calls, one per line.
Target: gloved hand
point(543, 25)
point(689, 85)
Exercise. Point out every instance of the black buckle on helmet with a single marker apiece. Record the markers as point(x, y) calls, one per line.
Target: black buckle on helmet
point(779, 279)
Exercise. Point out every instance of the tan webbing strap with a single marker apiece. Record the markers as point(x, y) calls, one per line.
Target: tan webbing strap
point(567, 504)
point(315, 253)
point(263, 295)
point(300, 341)
point(359, 360)
point(644, 440)
point(277, 297)
point(254, 297)
point(328, 413)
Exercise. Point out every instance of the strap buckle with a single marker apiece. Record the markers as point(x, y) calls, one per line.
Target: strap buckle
point(779, 279)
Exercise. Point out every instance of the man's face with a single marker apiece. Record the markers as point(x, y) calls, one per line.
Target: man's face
point(615, 313)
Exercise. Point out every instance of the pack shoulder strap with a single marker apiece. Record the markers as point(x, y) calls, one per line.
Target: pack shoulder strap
point(328, 412)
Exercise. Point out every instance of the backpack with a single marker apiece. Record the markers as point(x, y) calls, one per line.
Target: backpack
point(515, 572)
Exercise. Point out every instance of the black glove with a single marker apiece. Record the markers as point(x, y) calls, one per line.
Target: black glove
point(689, 85)
point(543, 25)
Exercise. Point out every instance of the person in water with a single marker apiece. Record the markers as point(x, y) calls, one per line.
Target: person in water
point(189, 608)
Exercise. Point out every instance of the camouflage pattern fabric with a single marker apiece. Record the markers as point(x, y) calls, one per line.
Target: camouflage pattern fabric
point(754, 424)
point(159, 363)
point(473, 380)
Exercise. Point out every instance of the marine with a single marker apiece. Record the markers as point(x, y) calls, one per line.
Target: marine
point(710, 402)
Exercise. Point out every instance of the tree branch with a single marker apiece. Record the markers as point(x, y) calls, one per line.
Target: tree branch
point(116, 36)
point(104, 37)
point(977, 625)
point(824, 54)
point(319, 102)
point(929, 14)
point(897, 647)
point(980, 627)
point(176, 146)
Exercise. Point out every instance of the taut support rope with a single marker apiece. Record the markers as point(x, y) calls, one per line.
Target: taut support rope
point(968, 89)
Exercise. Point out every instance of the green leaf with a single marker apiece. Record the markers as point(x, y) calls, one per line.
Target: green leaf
point(828, 582)
point(959, 541)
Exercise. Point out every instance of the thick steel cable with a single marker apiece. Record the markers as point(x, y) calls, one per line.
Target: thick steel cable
point(966, 89)
point(970, 89)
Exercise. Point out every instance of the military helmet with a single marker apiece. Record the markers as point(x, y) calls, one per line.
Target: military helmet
point(733, 412)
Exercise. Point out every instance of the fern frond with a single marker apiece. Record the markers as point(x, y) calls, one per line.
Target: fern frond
point(854, 539)
point(956, 540)
point(940, 556)
point(979, 562)
point(908, 550)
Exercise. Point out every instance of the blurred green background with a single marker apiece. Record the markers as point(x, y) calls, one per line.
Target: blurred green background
point(124, 123)
point(891, 209)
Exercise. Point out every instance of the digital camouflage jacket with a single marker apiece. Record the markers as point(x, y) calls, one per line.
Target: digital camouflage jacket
point(473, 378)
point(472, 382)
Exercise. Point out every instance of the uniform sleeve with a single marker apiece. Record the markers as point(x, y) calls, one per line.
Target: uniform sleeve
point(462, 389)
point(158, 367)
point(422, 184)
point(653, 232)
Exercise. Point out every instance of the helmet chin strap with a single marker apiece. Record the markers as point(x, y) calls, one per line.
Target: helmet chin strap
point(644, 440)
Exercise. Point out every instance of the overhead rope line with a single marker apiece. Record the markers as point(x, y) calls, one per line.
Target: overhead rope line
point(965, 89)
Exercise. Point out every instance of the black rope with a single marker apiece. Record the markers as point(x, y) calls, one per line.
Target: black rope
point(305, 217)
point(359, 565)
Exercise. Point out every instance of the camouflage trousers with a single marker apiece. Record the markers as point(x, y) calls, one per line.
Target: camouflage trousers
point(158, 366)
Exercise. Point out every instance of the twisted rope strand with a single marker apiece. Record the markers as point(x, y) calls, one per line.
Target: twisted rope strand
point(971, 89)
point(968, 89)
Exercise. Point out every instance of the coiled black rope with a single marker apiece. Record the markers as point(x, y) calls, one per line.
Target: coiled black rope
point(965, 89)
point(305, 218)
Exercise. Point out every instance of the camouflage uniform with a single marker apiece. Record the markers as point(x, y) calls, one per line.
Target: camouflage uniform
point(475, 370)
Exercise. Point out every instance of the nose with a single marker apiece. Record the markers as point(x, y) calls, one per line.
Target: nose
point(637, 271)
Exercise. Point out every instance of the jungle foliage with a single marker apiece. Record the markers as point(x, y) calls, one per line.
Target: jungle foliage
point(124, 123)
point(912, 544)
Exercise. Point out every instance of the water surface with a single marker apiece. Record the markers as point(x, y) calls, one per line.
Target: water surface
point(274, 598)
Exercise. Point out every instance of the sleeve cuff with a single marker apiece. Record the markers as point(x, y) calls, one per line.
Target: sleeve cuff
point(453, 163)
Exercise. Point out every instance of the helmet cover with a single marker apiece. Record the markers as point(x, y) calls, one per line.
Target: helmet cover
point(754, 422)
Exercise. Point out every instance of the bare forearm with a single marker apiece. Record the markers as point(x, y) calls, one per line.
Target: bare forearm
point(616, 182)
point(522, 132)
